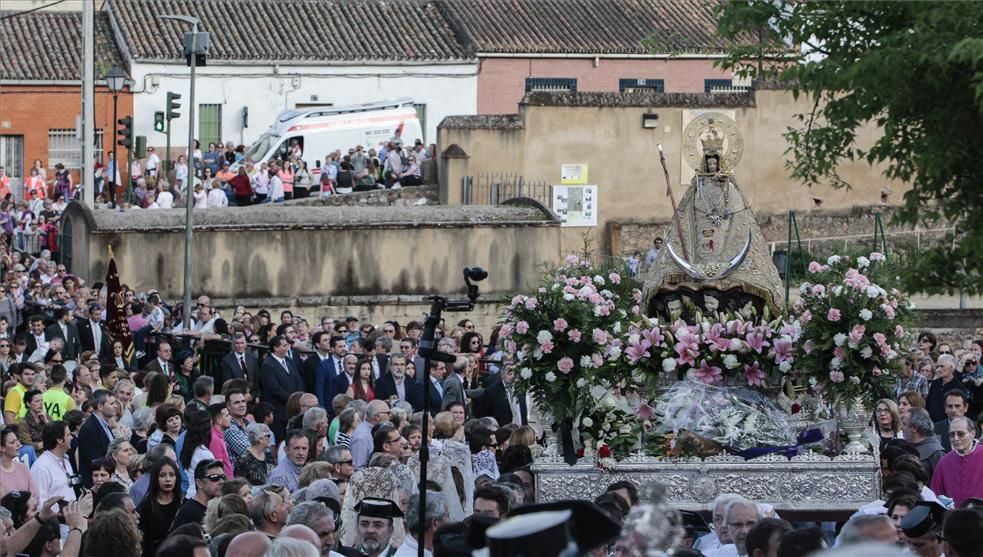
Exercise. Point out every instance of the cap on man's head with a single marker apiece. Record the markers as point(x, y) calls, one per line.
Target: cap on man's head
point(19, 267)
point(351, 318)
point(378, 508)
point(925, 518)
point(589, 527)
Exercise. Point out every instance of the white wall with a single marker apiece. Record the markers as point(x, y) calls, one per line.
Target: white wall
point(269, 90)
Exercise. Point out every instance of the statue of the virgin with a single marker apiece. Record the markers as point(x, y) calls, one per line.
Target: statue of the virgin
point(714, 256)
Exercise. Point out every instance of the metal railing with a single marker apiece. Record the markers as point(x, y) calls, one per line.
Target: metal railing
point(497, 188)
point(841, 244)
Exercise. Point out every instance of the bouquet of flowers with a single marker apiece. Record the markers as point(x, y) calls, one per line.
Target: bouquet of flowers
point(738, 419)
point(563, 335)
point(852, 328)
point(737, 349)
point(608, 426)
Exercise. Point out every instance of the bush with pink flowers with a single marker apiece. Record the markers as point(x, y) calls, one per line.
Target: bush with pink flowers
point(852, 328)
point(564, 336)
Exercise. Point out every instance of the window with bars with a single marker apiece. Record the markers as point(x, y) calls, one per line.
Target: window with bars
point(209, 123)
point(710, 84)
point(635, 85)
point(552, 84)
point(64, 147)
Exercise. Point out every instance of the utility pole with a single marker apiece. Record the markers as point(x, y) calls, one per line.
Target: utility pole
point(88, 106)
point(198, 46)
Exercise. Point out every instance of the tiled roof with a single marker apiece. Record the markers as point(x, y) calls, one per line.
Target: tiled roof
point(292, 30)
point(585, 26)
point(44, 46)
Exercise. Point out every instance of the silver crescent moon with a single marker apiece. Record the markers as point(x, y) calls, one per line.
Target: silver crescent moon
point(683, 264)
point(739, 258)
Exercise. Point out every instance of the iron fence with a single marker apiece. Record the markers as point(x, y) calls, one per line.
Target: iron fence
point(497, 188)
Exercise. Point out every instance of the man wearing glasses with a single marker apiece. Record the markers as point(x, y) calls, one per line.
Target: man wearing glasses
point(958, 473)
point(209, 477)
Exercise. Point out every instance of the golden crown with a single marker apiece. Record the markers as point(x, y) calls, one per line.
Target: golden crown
point(713, 144)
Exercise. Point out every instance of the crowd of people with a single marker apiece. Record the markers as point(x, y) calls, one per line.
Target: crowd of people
point(30, 221)
point(224, 175)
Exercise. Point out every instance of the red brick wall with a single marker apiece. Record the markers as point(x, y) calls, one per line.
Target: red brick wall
point(32, 110)
point(502, 81)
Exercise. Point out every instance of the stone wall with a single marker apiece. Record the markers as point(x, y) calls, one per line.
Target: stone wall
point(403, 197)
point(822, 231)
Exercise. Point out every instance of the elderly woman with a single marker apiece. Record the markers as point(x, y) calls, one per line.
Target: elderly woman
point(255, 464)
point(119, 452)
point(886, 420)
point(143, 420)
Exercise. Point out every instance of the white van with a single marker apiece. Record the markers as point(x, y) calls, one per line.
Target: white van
point(321, 130)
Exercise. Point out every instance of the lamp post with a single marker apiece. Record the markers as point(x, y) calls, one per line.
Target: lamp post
point(196, 44)
point(115, 80)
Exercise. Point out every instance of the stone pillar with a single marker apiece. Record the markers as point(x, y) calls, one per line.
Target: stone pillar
point(451, 173)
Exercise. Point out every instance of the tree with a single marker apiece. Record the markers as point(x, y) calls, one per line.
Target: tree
point(915, 69)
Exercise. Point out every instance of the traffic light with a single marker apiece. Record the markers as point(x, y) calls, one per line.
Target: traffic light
point(173, 105)
point(159, 121)
point(125, 134)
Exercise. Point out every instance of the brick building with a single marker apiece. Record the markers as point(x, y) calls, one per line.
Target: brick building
point(41, 92)
point(588, 46)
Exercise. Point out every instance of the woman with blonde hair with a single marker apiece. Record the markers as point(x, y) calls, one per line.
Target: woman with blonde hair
point(526, 436)
point(887, 421)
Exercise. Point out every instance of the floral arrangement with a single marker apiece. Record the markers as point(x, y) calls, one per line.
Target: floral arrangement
point(609, 428)
point(852, 328)
point(737, 349)
point(737, 419)
point(563, 337)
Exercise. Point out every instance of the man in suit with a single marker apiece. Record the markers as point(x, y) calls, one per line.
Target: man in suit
point(95, 434)
point(92, 333)
point(65, 329)
point(414, 362)
point(394, 385)
point(437, 372)
point(956, 406)
point(501, 402)
point(241, 364)
point(162, 363)
point(454, 390)
point(321, 342)
point(326, 381)
point(278, 379)
point(343, 380)
point(36, 339)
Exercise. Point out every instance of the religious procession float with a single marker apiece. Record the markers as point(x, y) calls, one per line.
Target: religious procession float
point(701, 378)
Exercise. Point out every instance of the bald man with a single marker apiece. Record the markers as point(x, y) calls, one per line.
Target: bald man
point(248, 544)
point(302, 533)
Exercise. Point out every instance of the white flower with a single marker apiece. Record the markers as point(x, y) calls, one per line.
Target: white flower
point(833, 259)
point(598, 279)
point(614, 354)
point(609, 401)
point(556, 286)
point(735, 344)
point(837, 290)
point(597, 311)
point(581, 383)
point(568, 297)
point(625, 429)
point(669, 364)
point(617, 328)
point(537, 354)
point(839, 339)
point(544, 336)
point(520, 355)
point(866, 352)
point(550, 377)
point(813, 381)
point(607, 293)
point(587, 422)
point(835, 363)
point(873, 292)
point(634, 339)
point(730, 361)
point(854, 379)
point(525, 373)
point(585, 361)
point(866, 314)
point(804, 287)
point(785, 366)
point(862, 262)
point(606, 426)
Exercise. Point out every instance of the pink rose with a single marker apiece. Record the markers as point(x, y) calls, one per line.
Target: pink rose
point(805, 317)
point(560, 325)
point(596, 360)
point(571, 260)
point(839, 352)
point(880, 339)
point(542, 290)
point(604, 310)
point(815, 267)
point(856, 335)
point(615, 278)
point(546, 346)
point(574, 335)
point(876, 371)
point(522, 327)
point(833, 314)
point(888, 311)
point(600, 336)
point(635, 310)
point(808, 346)
point(818, 289)
point(836, 376)
point(898, 331)
point(565, 365)
point(531, 303)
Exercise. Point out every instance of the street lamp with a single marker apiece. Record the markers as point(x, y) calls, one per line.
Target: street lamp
point(195, 44)
point(115, 81)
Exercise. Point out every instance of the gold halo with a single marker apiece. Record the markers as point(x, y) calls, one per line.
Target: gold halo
point(733, 142)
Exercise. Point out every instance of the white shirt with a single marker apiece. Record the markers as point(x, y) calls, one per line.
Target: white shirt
point(217, 199)
point(410, 549)
point(707, 544)
point(50, 477)
point(276, 187)
point(165, 200)
point(207, 327)
point(728, 550)
point(201, 453)
point(152, 162)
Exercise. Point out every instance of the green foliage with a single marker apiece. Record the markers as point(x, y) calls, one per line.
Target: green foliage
point(915, 69)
